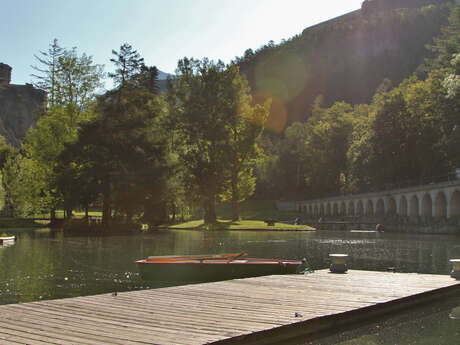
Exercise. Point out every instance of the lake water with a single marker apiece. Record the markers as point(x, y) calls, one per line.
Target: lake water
point(45, 264)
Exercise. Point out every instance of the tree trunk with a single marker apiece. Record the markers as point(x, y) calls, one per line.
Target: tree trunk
point(173, 210)
point(106, 209)
point(235, 196)
point(68, 212)
point(129, 215)
point(210, 209)
point(53, 214)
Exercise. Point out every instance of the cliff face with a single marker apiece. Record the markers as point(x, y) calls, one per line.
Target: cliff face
point(19, 105)
point(345, 58)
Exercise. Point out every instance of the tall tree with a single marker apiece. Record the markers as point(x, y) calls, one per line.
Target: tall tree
point(73, 81)
point(128, 64)
point(207, 97)
point(245, 125)
point(123, 152)
point(48, 70)
point(78, 79)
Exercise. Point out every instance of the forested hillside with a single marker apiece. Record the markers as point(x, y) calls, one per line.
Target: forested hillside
point(407, 133)
point(345, 58)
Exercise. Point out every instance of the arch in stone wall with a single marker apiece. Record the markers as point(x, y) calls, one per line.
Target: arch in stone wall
point(328, 209)
point(413, 207)
point(343, 209)
point(454, 204)
point(310, 210)
point(369, 208)
point(321, 210)
point(391, 206)
point(351, 208)
point(440, 205)
point(403, 206)
point(360, 208)
point(427, 206)
point(335, 209)
point(316, 210)
point(380, 208)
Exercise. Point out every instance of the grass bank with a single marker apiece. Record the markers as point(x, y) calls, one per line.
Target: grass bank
point(223, 224)
point(20, 223)
point(252, 215)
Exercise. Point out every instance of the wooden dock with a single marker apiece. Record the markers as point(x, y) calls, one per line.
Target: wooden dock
point(245, 311)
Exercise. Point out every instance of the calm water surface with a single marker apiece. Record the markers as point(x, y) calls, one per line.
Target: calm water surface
point(45, 264)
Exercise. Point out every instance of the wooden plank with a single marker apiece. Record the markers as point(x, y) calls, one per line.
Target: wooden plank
point(243, 311)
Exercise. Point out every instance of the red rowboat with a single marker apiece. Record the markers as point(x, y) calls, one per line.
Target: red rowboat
point(208, 267)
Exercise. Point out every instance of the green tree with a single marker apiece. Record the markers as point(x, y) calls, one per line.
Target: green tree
point(48, 70)
point(246, 125)
point(447, 44)
point(208, 98)
point(128, 64)
point(78, 79)
point(123, 154)
point(73, 80)
point(6, 153)
point(327, 145)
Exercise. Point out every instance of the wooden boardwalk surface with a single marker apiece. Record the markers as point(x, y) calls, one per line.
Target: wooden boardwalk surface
point(244, 311)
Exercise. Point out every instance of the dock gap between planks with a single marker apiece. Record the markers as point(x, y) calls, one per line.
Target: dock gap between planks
point(256, 310)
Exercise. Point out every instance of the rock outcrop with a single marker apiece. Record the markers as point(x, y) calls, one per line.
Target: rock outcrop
point(19, 106)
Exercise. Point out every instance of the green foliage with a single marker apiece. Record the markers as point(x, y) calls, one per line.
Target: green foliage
point(78, 78)
point(31, 178)
point(447, 44)
point(122, 156)
point(47, 79)
point(216, 128)
point(128, 64)
point(70, 80)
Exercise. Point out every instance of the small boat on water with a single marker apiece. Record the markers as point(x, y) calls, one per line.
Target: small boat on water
point(209, 267)
point(7, 240)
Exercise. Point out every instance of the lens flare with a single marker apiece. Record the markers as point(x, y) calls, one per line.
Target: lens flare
point(283, 75)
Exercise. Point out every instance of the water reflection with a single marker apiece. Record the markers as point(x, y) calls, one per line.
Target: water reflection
point(47, 264)
point(455, 314)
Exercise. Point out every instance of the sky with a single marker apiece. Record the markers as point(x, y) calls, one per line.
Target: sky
point(162, 31)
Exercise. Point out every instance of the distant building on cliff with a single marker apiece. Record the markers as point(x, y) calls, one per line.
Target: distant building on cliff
point(5, 74)
point(19, 106)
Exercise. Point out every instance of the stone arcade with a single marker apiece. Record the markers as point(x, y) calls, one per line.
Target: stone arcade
point(433, 208)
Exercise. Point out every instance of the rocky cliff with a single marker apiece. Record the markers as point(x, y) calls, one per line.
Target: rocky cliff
point(19, 105)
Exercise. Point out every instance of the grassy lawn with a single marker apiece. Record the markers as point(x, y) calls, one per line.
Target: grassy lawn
point(76, 214)
point(223, 224)
point(252, 214)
